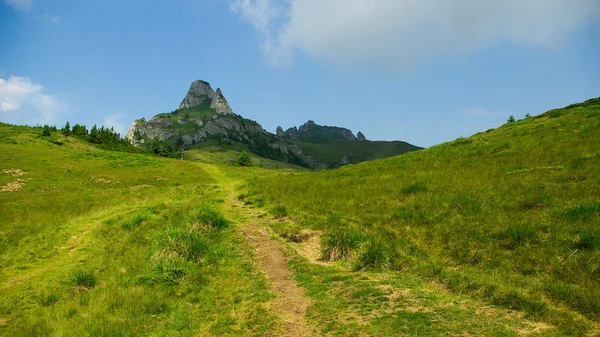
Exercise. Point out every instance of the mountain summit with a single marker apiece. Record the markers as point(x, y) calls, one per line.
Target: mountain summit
point(204, 118)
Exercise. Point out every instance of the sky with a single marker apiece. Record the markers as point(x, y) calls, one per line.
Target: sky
point(425, 72)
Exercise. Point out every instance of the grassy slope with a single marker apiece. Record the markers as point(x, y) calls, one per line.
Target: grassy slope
point(132, 225)
point(510, 217)
point(332, 152)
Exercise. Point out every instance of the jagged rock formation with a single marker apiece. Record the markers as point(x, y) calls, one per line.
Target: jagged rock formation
point(314, 133)
point(205, 114)
point(198, 93)
point(219, 103)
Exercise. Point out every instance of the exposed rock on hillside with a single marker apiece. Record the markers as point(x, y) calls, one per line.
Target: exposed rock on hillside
point(198, 93)
point(314, 133)
point(361, 137)
point(219, 103)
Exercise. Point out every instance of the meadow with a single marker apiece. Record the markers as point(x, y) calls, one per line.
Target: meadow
point(102, 243)
point(497, 234)
point(509, 217)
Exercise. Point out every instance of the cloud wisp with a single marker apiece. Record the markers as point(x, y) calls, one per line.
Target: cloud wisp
point(402, 34)
point(25, 102)
point(24, 5)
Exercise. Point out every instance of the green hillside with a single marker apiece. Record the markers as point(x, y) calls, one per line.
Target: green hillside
point(493, 235)
point(332, 152)
point(101, 243)
point(510, 217)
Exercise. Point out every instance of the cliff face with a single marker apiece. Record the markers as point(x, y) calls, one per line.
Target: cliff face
point(314, 133)
point(205, 113)
point(199, 92)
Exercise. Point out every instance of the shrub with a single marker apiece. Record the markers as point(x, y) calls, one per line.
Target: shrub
point(337, 243)
point(244, 159)
point(46, 131)
point(414, 188)
point(279, 211)
point(511, 119)
point(83, 279)
point(375, 257)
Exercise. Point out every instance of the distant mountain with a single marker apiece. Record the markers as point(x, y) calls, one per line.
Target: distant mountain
point(205, 115)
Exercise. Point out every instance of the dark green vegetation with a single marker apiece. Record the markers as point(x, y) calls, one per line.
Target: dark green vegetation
point(103, 243)
point(510, 217)
point(331, 153)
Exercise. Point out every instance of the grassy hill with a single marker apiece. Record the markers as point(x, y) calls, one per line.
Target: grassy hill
point(497, 234)
point(509, 217)
point(101, 243)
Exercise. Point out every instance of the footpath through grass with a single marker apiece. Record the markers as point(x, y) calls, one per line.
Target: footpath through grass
point(509, 218)
point(98, 243)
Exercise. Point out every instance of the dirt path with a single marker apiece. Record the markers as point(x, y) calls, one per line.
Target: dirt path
point(290, 303)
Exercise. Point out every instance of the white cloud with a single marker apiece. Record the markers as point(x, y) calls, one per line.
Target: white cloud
point(25, 5)
point(401, 34)
point(25, 102)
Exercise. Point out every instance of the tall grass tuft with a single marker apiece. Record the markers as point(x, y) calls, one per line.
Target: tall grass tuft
point(206, 216)
point(581, 212)
point(83, 279)
point(589, 239)
point(376, 257)
point(339, 242)
point(521, 234)
point(279, 211)
point(137, 220)
point(414, 188)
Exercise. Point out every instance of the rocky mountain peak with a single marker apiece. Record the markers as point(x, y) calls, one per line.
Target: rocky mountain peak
point(361, 137)
point(219, 103)
point(199, 92)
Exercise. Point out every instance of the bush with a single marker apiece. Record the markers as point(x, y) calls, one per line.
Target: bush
point(83, 279)
point(339, 242)
point(244, 159)
point(511, 119)
point(46, 131)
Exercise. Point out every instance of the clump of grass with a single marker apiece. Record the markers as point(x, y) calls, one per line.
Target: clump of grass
point(521, 234)
point(279, 211)
point(83, 279)
point(414, 188)
point(589, 239)
point(376, 257)
point(180, 243)
point(50, 299)
point(137, 220)
point(207, 216)
point(338, 243)
point(581, 212)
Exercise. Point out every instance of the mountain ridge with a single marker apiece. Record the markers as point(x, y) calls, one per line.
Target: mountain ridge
point(205, 114)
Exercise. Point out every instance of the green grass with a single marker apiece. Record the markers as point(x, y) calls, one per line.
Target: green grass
point(119, 244)
point(509, 217)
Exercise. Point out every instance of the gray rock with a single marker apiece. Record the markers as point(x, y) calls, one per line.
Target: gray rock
point(199, 92)
point(361, 137)
point(219, 103)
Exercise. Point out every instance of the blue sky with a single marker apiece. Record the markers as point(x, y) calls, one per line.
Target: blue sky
point(423, 72)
